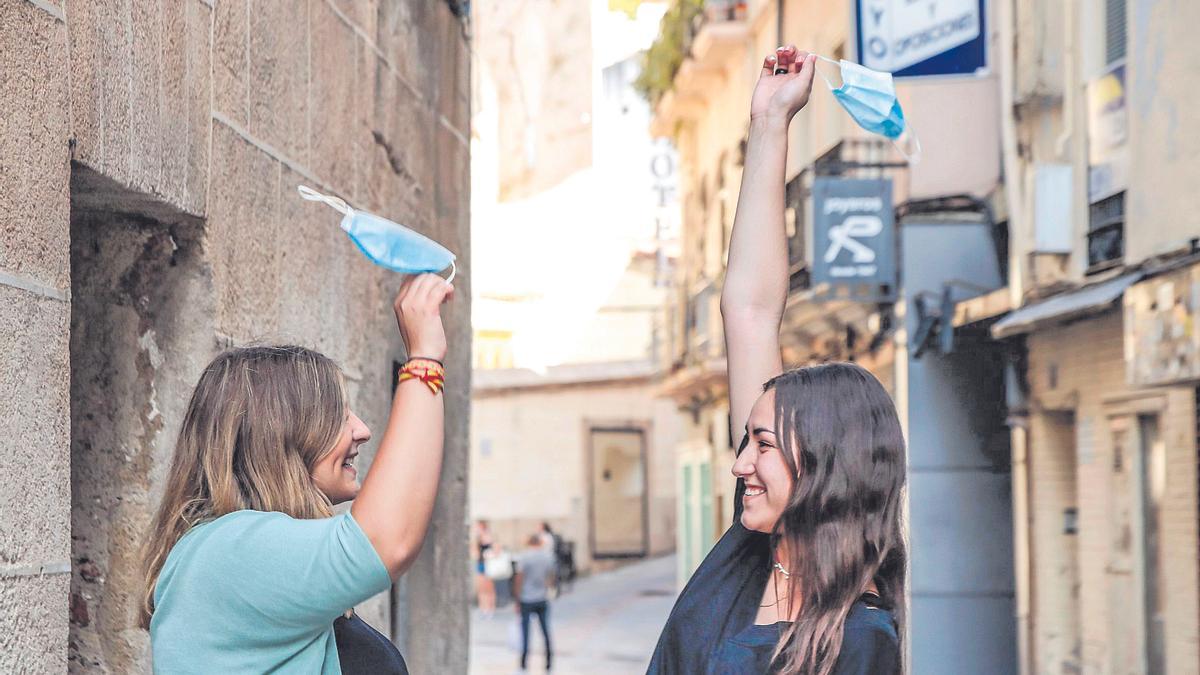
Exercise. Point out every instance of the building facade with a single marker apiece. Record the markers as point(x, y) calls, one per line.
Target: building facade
point(1104, 229)
point(149, 159)
point(1040, 346)
point(572, 222)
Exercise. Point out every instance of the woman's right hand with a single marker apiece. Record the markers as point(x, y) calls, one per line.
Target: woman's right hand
point(782, 96)
point(418, 313)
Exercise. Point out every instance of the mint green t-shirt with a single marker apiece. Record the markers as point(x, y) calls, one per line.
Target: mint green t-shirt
point(257, 592)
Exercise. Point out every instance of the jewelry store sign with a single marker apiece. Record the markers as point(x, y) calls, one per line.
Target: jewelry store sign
point(854, 237)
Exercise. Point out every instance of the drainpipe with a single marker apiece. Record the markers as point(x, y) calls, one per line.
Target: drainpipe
point(1019, 239)
point(1013, 176)
point(1019, 434)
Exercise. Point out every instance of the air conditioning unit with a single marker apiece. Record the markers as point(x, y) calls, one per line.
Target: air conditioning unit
point(1052, 208)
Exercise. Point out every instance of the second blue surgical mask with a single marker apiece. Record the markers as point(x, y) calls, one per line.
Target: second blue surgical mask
point(386, 243)
point(869, 96)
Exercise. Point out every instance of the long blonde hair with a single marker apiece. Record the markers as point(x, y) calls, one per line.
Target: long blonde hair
point(259, 420)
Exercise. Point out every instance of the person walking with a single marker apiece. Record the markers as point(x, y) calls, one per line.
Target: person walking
point(531, 588)
point(247, 567)
point(810, 578)
point(485, 587)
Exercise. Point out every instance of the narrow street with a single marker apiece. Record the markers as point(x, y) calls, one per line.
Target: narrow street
point(607, 624)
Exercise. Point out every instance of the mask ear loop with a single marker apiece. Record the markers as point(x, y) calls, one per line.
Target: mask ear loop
point(823, 77)
point(453, 271)
point(314, 196)
point(911, 139)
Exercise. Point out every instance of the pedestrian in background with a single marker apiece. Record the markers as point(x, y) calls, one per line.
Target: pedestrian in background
point(810, 579)
point(531, 587)
point(247, 567)
point(485, 588)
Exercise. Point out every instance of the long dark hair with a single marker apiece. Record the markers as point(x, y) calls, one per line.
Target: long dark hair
point(842, 521)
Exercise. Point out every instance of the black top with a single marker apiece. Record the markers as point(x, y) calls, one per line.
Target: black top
point(362, 649)
point(870, 645)
point(721, 601)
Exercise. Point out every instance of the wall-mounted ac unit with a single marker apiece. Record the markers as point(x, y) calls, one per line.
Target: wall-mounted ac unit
point(1052, 208)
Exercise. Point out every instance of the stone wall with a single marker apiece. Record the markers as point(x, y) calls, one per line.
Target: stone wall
point(149, 158)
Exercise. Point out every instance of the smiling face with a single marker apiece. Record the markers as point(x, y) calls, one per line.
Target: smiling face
point(335, 474)
point(761, 465)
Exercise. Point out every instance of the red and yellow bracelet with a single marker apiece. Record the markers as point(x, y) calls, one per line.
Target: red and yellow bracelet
point(429, 371)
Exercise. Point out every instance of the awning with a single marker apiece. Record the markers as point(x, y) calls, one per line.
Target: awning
point(1074, 304)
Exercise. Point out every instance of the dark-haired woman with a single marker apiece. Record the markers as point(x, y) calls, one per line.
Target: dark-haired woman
point(810, 578)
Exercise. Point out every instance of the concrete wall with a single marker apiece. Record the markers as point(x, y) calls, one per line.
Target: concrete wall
point(1060, 48)
point(1163, 85)
point(529, 458)
point(1080, 609)
point(149, 154)
point(959, 499)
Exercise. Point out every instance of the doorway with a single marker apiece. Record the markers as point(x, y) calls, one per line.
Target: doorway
point(1136, 485)
point(617, 477)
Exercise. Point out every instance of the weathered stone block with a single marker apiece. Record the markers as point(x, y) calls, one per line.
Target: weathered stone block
point(35, 423)
point(145, 134)
point(408, 37)
point(364, 14)
point(186, 92)
point(34, 167)
point(279, 70)
point(140, 94)
point(396, 146)
point(243, 236)
point(230, 80)
point(101, 83)
point(313, 309)
point(33, 625)
point(453, 187)
point(453, 89)
point(332, 97)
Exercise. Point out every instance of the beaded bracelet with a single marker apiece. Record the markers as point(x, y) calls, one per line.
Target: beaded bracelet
point(429, 371)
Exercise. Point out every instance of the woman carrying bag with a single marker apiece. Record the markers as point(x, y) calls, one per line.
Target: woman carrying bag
point(247, 567)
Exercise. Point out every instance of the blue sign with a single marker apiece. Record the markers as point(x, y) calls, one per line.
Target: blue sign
point(854, 238)
point(917, 38)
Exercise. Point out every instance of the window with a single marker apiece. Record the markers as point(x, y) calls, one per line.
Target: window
point(1106, 232)
point(1114, 31)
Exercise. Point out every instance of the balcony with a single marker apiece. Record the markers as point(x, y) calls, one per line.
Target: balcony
point(697, 43)
point(699, 325)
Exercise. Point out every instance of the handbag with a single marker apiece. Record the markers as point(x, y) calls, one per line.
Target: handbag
point(498, 567)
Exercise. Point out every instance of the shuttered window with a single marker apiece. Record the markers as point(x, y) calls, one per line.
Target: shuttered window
point(1114, 30)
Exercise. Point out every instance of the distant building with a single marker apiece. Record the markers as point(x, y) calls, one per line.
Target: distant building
point(574, 229)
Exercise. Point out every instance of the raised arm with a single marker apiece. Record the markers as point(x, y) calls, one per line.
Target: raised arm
point(396, 501)
point(756, 282)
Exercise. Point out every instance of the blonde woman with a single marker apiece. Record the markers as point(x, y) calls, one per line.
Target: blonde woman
point(247, 567)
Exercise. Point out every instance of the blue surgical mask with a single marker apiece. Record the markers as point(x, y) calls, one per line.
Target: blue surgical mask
point(870, 98)
point(388, 244)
